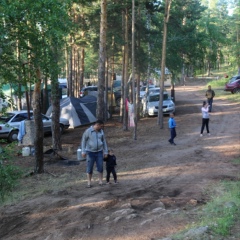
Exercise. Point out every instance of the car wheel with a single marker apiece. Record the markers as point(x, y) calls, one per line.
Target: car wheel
point(13, 136)
point(61, 128)
point(236, 90)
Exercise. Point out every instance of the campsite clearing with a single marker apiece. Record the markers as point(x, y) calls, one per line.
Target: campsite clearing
point(161, 186)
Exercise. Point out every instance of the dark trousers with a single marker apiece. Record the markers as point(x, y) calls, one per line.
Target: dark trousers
point(109, 171)
point(210, 101)
point(173, 135)
point(205, 122)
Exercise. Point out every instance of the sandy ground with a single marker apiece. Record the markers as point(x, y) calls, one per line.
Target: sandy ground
point(160, 185)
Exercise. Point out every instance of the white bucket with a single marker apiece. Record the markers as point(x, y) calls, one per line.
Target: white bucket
point(79, 155)
point(26, 151)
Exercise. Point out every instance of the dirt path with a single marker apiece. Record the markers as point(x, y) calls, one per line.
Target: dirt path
point(160, 185)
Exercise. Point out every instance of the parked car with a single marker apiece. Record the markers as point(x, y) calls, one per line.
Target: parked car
point(92, 90)
point(87, 90)
point(117, 85)
point(150, 104)
point(10, 124)
point(144, 89)
point(154, 90)
point(233, 85)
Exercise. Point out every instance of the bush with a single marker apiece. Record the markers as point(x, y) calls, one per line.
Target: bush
point(9, 174)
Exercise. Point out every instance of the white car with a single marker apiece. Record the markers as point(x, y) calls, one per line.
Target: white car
point(150, 104)
point(144, 89)
point(10, 124)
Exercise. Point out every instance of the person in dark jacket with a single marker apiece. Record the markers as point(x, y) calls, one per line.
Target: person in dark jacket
point(210, 94)
point(110, 166)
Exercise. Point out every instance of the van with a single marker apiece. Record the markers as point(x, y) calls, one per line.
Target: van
point(117, 85)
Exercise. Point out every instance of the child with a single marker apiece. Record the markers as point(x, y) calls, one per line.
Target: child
point(205, 117)
point(172, 125)
point(110, 166)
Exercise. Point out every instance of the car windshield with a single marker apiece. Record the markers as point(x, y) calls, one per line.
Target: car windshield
point(6, 117)
point(233, 79)
point(155, 98)
point(154, 90)
point(143, 88)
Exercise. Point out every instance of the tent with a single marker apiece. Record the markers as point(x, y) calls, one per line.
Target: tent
point(79, 111)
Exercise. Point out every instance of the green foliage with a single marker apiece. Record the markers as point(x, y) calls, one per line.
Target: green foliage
point(218, 83)
point(9, 173)
point(224, 210)
point(218, 86)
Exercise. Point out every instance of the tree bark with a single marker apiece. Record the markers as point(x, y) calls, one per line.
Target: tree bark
point(126, 56)
point(166, 17)
point(55, 102)
point(38, 133)
point(133, 71)
point(102, 60)
point(82, 58)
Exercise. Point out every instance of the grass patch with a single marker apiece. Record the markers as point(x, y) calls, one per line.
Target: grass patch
point(221, 215)
point(236, 161)
point(9, 173)
point(218, 87)
point(220, 83)
point(223, 211)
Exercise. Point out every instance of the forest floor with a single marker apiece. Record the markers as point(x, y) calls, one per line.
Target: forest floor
point(160, 185)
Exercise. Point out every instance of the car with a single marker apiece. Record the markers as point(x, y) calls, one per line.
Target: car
point(144, 89)
point(92, 90)
point(10, 124)
point(153, 90)
point(150, 104)
point(117, 85)
point(233, 85)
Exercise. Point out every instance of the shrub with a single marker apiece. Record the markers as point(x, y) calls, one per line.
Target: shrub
point(9, 174)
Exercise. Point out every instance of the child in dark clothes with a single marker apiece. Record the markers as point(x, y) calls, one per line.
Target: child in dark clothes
point(110, 166)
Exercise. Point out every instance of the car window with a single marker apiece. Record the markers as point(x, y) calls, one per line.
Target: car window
point(5, 118)
point(19, 117)
point(154, 98)
point(165, 96)
point(45, 118)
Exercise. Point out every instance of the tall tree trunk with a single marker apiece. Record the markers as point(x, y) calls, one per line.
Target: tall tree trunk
point(125, 94)
point(133, 71)
point(82, 58)
point(138, 69)
point(164, 44)
point(55, 102)
point(19, 93)
point(38, 133)
point(122, 108)
point(102, 59)
point(70, 76)
point(106, 91)
point(45, 96)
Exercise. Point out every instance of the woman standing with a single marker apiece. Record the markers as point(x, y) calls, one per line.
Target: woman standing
point(205, 118)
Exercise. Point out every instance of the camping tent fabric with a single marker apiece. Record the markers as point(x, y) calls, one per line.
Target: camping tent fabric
point(79, 111)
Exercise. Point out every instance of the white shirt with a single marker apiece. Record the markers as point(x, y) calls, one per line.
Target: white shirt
point(205, 113)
